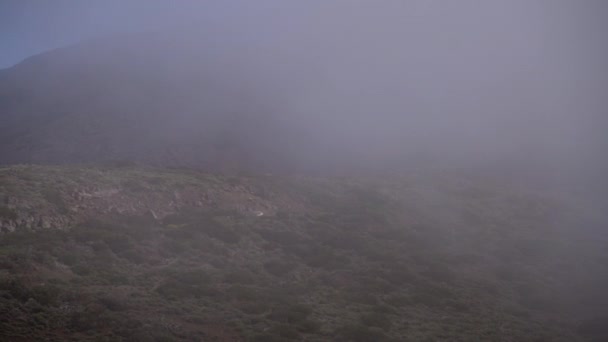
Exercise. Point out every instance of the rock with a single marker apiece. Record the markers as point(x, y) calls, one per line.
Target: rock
point(153, 214)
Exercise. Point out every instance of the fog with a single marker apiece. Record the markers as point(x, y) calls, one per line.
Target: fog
point(461, 147)
point(503, 85)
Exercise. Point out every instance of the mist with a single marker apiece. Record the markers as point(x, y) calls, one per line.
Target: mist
point(349, 170)
point(505, 85)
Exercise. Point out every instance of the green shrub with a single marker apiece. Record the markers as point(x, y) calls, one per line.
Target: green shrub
point(285, 331)
point(308, 326)
point(325, 258)
point(255, 308)
point(134, 256)
point(118, 244)
point(280, 237)
point(243, 293)
point(216, 230)
point(69, 258)
point(383, 309)
point(82, 269)
point(82, 322)
point(398, 301)
point(193, 277)
point(173, 289)
point(345, 241)
point(239, 277)
point(278, 268)
point(15, 289)
point(7, 213)
point(134, 185)
point(375, 319)
point(396, 274)
point(54, 197)
point(458, 306)
point(46, 295)
point(440, 273)
point(360, 333)
point(113, 303)
point(292, 314)
point(173, 247)
point(268, 337)
point(361, 297)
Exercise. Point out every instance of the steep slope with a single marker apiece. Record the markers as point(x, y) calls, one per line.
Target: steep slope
point(164, 255)
point(147, 98)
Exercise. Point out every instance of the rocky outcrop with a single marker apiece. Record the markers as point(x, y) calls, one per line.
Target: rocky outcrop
point(156, 195)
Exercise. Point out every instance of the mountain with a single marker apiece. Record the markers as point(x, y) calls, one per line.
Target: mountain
point(146, 98)
point(183, 187)
point(145, 254)
point(238, 100)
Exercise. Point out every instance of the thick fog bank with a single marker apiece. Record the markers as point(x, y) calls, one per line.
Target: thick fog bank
point(512, 86)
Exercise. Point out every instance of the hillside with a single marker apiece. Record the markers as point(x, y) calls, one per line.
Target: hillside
point(147, 98)
point(143, 254)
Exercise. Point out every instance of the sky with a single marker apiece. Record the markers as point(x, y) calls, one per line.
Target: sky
point(29, 27)
point(489, 76)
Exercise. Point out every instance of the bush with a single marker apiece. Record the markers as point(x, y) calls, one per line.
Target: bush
point(15, 289)
point(243, 293)
point(68, 258)
point(54, 197)
point(285, 331)
point(118, 244)
point(325, 258)
point(82, 269)
point(255, 308)
point(46, 295)
point(186, 283)
point(239, 277)
point(172, 289)
point(399, 277)
point(173, 247)
point(278, 268)
point(268, 337)
point(293, 314)
point(134, 256)
point(281, 237)
point(216, 230)
point(360, 333)
point(308, 326)
point(345, 241)
point(192, 277)
point(82, 321)
point(134, 185)
point(7, 213)
point(375, 319)
point(113, 303)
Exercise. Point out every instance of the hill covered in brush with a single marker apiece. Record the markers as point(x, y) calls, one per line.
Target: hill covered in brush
point(141, 254)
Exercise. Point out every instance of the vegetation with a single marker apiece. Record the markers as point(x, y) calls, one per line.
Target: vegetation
point(156, 255)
